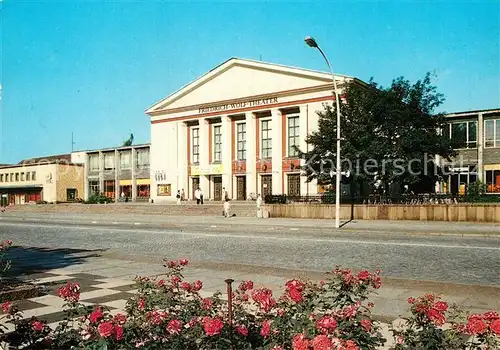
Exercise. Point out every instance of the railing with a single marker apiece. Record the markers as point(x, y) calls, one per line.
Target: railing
point(408, 199)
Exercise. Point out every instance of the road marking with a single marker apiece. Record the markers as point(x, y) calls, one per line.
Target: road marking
point(94, 222)
point(137, 223)
point(213, 226)
point(294, 229)
point(115, 223)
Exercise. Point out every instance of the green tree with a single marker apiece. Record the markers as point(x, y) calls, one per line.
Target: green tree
point(129, 141)
point(390, 133)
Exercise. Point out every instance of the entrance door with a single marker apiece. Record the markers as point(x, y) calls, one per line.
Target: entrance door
point(293, 185)
point(266, 182)
point(218, 188)
point(196, 185)
point(241, 187)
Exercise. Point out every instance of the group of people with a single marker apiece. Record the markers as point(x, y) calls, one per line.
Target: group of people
point(226, 206)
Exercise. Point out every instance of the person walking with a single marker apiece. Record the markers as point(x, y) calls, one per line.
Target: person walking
point(201, 196)
point(178, 197)
point(197, 195)
point(226, 208)
point(183, 195)
point(259, 203)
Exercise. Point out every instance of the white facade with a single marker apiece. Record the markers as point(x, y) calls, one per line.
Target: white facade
point(234, 127)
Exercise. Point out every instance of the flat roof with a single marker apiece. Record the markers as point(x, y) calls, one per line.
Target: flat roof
point(40, 162)
point(142, 145)
point(466, 113)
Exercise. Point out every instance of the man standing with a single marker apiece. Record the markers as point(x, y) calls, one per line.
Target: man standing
point(197, 195)
point(225, 196)
point(201, 195)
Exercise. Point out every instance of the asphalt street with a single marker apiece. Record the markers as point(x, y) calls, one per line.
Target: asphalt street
point(465, 260)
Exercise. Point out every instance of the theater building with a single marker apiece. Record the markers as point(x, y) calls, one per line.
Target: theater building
point(236, 127)
point(51, 179)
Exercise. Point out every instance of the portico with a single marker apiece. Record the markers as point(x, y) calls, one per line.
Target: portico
point(236, 127)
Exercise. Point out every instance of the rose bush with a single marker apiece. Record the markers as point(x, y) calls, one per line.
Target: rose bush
point(171, 313)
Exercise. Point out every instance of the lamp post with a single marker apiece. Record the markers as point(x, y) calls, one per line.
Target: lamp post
point(312, 43)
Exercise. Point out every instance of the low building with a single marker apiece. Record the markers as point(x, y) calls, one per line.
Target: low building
point(52, 179)
point(116, 171)
point(478, 133)
point(235, 128)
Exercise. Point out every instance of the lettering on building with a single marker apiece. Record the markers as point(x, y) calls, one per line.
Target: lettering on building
point(252, 103)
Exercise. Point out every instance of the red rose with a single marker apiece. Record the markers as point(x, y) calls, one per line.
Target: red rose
point(96, 315)
point(475, 326)
point(118, 332)
point(175, 280)
point(120, 318)
point(366, 324)
point(171, 264)
point(186, 286)
point(264, 297)
point(174, 327)
point(37, 326)
point(436, 316)
point(322, 342)
point(242, 330)
point(183, 262)
point(495, 326)
point(246, 285)
point(411, 300)
point(212, 326)
point(197, 285)
point(300, 342)
point(105, 329)
point(351, 345)
point(441, 306)
point(326, 324)
point(141, 304)
point(491, 316)
point(364, 275)
point(207, 304)
point(6, 307)
point(295, 284)
point(70, 292)
point(160, 283)
point(265, 329)
point(295, 295)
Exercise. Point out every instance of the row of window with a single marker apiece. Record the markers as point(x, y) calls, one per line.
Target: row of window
point(142, 160)
point(241, 140)
point(465, 133)
point(16, 177)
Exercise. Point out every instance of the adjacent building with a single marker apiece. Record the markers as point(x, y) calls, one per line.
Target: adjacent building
point(51, 179)
point(235, 128)
point(121, 173)
point(478, 133)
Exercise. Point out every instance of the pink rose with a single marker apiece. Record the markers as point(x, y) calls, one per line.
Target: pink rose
point(242, 330)
point(212, 326)
point(174, 327)
point(96, 315)
point(37, 326)
point(105, 329)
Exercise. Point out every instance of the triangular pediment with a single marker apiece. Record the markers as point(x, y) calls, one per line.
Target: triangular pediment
point(238, 79)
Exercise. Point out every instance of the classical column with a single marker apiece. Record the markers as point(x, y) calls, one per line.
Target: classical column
point(182, 164)
point(117, 176)
point(227, 161)
point(303, 145)
point(134, 175)
point(251, 156)
point(480, 147)
point(101, 172)
point(86, 166)
point(277, 156)
point(204, 163)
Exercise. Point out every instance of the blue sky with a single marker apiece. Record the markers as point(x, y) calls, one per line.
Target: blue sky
point(92, 68)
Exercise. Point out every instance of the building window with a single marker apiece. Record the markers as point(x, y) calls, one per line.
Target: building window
point(217, 143)
point(492, 133)
point(33, 175)
point(293, 136)
point(464, 134)
point(493, 181)
point(22, 177)
point(164, 190)
point(142, 158)
point(266, 150)
point(125, 160)
point(94, 162)
point(196, 145)
point(1, 177)
point(11, 177)
point(93, 187)
point(109, 161)
point(28, 176)
point(17, 177)
point(241, 139)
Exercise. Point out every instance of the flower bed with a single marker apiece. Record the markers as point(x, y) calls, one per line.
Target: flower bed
point(170, 313)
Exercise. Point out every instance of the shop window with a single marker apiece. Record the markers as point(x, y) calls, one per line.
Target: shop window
point(493, 181)
point(109, 188)
point(492, 133)
point(195, 132)
point(463, 134)
point(71, 194)
point(217, 143)
point(93, 187)
point(266, 149)
point(143, 192)
point(241, 139)
point(293, 136)
point(164, 190)
point(142, 156)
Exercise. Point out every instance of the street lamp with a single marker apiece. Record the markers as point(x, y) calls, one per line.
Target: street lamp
point(312, 43)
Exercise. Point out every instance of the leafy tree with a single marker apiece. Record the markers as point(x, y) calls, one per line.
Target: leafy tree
point(129, 141)
point(388, 134)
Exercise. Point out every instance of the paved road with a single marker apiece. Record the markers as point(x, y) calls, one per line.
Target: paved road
point(455, 259)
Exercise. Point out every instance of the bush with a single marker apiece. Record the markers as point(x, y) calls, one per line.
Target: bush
point(4, 263)
point(170, 313)
point(99, 199)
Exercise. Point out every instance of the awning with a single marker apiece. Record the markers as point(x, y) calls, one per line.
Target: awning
point(21, 187)
point(143, 181)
